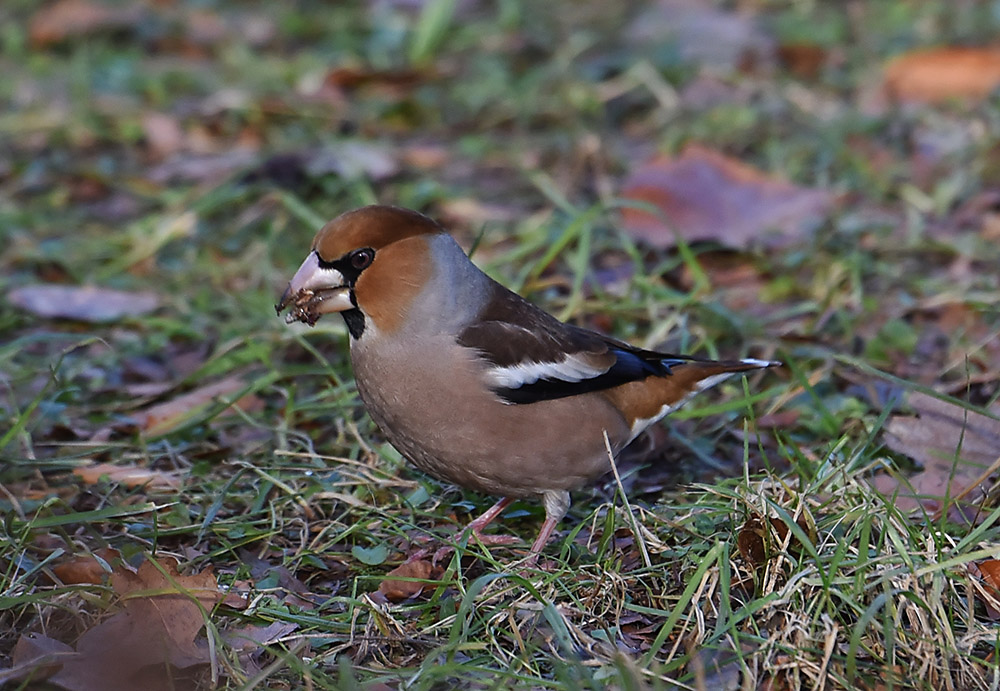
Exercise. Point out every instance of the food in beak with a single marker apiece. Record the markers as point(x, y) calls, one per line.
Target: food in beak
point(305, 304)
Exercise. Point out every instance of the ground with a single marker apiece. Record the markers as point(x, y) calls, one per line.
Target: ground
point(193, 494)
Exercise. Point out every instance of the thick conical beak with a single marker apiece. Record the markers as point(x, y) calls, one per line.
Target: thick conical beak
point(315, 290)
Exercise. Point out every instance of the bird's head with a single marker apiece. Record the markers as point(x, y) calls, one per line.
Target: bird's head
point(368, 264)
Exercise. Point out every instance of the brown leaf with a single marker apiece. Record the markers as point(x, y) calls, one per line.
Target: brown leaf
point(954, 446)
point(751, 541)
point(165, 417)
point(703, 33)
point(704, 195)
point(395, 589)
point(253, 637)
point(805, 523)
point(250, 641)
point(989, 572)
point(162, 614)
point(70, 18)
point(804, 60)
point(350, 78)
point(85, 568)
point(163, 601)
point(82, 303)
point(943, 74)
point(130, 476)
point(36, 657)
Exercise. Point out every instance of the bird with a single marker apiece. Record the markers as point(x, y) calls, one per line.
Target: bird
point(471, 382)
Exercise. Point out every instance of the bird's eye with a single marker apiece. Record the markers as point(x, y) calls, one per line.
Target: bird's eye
point(361, 259)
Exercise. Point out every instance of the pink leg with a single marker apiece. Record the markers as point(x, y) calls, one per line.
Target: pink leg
point(476, 527)
point(543, 539)
point(556, 505)
point(491, 513)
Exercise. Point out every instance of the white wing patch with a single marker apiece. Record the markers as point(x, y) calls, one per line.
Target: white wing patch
point(571, 368)
point(760, 363)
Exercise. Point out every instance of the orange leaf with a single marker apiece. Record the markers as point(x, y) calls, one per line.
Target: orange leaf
point(130, 476)
point(164, 418)
point(395, 589)
point(85, 568)
point(991, 573)
point(943, 74)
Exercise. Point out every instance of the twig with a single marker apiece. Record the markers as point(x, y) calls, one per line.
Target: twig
point(628, 507)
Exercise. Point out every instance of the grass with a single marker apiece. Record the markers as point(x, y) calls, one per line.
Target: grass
point(773, 561)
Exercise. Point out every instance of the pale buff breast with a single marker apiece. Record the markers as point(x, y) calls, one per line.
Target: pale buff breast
point(432, 405)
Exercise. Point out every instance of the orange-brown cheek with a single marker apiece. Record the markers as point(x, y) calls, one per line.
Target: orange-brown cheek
point(387, 288)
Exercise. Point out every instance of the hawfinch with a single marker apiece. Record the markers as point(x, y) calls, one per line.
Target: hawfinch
point(470, 381)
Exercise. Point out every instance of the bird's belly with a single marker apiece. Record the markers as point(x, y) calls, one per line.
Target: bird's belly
point(441, 417)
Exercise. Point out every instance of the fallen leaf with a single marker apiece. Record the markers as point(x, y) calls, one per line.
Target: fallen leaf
point(942, 74)
point(253, 636)
point(954, 446)
point(148, 644)
point(704, 195)
point(157, 594)
point(250, 642)
point(372, 556)
point(82, 303)
point(395, 585)
point(804, 60)
point(703, 33)
point(805, 523)
point(989, 572)
point(350, 78)
point(85, 568)
point(168, 416)
point(130, 476)
point(36, 657)
point(751, 542)
point(65, 19)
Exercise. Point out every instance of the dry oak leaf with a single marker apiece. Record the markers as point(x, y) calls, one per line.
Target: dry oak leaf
point(168, 416)
point(85, 568)
point(396, 585)
point(942, 74)
point(954, 445)
point(705, 195)
point(148, 644)
point(82, 303)
point(130, 476)
point(35, 657)
point(989, 573)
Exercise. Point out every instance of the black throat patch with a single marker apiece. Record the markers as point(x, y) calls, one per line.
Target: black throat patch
point(355, 321)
